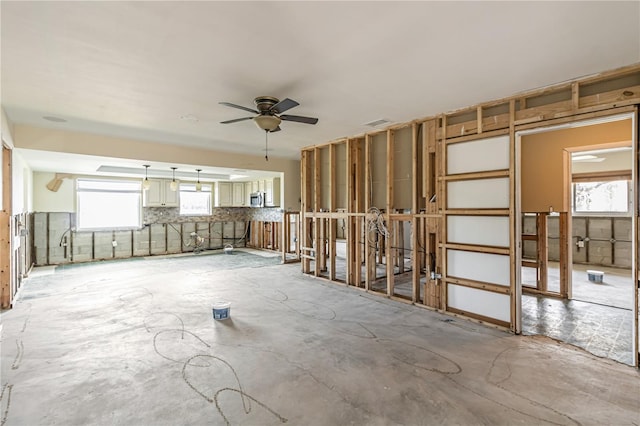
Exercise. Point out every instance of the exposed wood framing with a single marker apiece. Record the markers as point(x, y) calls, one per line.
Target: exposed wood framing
point(390, 242)
point(586, 98)
point(5, 232)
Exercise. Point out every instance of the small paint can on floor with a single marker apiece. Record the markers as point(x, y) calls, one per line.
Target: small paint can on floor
point(221, 310)
point(595, 276)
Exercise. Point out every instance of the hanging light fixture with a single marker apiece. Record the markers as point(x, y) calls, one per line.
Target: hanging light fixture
point(145, 183)
point(198, 184)
point(173, 185)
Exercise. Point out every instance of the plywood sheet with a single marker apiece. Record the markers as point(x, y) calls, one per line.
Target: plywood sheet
point(484, 267)
point(478, 155)
point(485, 303)
point(478, 194)
point(478, 230)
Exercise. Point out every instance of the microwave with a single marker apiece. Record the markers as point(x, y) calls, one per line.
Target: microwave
point(256, 199)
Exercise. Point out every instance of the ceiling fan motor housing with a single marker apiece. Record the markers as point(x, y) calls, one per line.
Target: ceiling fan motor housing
point(265, 103)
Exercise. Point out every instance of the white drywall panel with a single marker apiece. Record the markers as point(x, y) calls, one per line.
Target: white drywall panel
point(481, 302)
point(478, 156)
point(478, 230)
point(478, 194)
point(485, 267)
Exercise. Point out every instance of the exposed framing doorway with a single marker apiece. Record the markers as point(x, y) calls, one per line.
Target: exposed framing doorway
point(562, 205)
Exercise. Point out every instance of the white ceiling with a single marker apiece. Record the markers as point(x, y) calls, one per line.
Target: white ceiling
point(133, 69)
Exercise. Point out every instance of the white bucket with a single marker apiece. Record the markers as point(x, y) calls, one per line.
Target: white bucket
point(595, 276)
point(221, 310)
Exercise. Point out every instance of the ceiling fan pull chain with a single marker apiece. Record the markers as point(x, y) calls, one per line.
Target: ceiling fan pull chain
point(266, 145)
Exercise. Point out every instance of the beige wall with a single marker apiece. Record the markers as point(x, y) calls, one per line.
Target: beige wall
point(44, 200)
point(545, 157)
point(29, 137)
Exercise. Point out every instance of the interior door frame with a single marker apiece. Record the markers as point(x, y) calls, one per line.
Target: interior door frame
point(577, 122)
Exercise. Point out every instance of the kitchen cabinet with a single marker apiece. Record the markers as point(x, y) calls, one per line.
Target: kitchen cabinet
point(160, 194)
point(272, 192)
point(248, 189)
point(225, 194)
point(238, 194)
point(231, 194)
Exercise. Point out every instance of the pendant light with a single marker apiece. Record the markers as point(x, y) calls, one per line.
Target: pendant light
point(198, 184)
point(145, 183)
point(173, 185)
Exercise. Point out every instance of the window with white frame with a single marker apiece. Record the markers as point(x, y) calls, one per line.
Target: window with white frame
point(610, 197)
point(194, 202)
point(103, 204)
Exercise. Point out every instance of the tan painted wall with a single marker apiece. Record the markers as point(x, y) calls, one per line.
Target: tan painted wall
point(30, 137)
point(545, 156)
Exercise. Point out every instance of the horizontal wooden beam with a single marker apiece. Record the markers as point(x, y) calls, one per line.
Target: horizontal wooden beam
point(477, 175)
point(494, 288)
point(477, 249)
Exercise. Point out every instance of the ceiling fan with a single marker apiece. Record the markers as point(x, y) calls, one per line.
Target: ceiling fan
point(269, 113)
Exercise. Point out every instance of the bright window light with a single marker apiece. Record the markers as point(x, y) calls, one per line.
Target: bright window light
point(195, 203)
point(601, 197)
point(103, 204)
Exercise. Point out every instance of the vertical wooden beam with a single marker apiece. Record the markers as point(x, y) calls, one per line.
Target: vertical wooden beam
point(415, 260)
point(542, 247)
point(479, 119)
point(317, 184)
point(5, 231)
point(442, 206)
point(370, 260)
point(317, 189)
point(305, 183)
point(513, 224)
point(286, 236)
point(390, 251)
point(358, 207)
point(415, 194)
point(564, 254)
point(351, 245)
point(318, 245)
point(331, 234)
point(575, 96)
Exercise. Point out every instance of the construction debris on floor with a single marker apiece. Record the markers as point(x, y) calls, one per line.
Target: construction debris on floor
point(135, 342)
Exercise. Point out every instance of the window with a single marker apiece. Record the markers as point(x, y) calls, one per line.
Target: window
point(108, 203)
point(601, 197)
point(194, 202)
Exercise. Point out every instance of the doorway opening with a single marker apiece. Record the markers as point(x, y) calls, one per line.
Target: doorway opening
point(578, 235)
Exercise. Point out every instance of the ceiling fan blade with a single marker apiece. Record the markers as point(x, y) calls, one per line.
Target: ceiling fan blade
point(277, 129)
point(299, 119)
point(238, 106)
point(236, 120)
point(284, 105)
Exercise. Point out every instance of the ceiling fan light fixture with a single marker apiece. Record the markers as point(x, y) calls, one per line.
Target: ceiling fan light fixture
point(267, 122)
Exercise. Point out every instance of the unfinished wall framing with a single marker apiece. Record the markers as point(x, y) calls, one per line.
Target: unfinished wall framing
point(429, 211)
point(55, 241)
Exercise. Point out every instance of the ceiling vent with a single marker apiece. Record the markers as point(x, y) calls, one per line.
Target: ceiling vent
point(377, 123)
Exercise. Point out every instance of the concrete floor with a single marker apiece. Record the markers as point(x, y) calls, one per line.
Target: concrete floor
point(598, 318)
point(134, 342)
point(615, 290)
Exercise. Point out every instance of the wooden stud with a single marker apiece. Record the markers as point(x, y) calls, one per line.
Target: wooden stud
point(564, 254)
point(442, 205)
point(6, 277)
point(513, 225)
point(479, 118)
point(542, 249)
point(389, 241)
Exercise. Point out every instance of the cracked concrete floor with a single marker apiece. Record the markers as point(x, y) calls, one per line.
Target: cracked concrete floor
point(134, 342)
